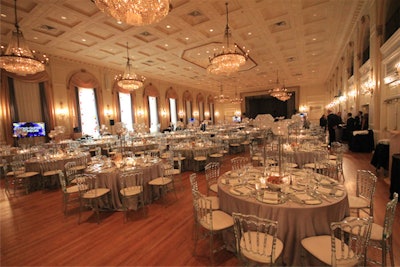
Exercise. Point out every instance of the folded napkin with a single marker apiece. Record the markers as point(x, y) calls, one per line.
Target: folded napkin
point(240, 190)
point(326, 191)
point(303, 196)
point(270, 197)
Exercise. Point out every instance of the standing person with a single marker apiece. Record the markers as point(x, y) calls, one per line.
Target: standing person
point(364, 122)
point(358, 120)
point(306, 122)
point(350, 126)
point(333, 122)
point(323, 122)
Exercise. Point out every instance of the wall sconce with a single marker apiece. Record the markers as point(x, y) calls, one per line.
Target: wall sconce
point(181, 113)
point(164, 113)
point(140, 112)
point(207, 114)
point(195, 113)
point(237, 113)
point(352, 94)
point(303, 108)
point(108, 112)
point(368, 87)
point(62, 111)
point(216, 114)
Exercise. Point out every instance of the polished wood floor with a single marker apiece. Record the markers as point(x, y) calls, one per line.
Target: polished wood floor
point(34, 231)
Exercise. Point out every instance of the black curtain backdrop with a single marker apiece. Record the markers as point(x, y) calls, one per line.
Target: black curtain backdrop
point(266, 104)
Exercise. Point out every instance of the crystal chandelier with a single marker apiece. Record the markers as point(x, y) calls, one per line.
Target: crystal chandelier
point(230, 59)
point(18, 58)
point(221, 98)
point(129, 80)
point(135, 12)
point(236, 99)
point(278, 92)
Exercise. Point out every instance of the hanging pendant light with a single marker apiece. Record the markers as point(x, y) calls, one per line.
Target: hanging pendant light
point(221, 98)
point(135, 12)
point(230, 59)
point(18, 58)
point(237, 99)
point(129, 80)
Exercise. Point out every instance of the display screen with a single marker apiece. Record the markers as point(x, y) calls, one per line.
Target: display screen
point(236, 119)
point(29, 129)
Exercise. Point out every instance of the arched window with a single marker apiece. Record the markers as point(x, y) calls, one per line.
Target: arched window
point(84, 98)
point(364, 38)
point(392, 21)
point(187, 102)
point(211, 109)
point(200, 104)
point(151, 98)
point(172, 103)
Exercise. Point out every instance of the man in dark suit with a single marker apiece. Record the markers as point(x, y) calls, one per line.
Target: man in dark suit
point(350, 126)
point(333, 122)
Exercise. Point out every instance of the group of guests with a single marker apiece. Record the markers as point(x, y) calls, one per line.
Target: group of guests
point(333, 122)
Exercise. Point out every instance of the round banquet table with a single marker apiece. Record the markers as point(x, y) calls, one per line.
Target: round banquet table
point(295, 221)
point(109, 177)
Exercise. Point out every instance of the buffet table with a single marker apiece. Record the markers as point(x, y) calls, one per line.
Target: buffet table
point(297, 217)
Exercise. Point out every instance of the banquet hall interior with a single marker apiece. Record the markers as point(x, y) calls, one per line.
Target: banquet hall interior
point(118, 121)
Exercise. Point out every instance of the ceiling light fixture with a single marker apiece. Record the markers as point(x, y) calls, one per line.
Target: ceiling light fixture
point(278, 92)
point(135, 12)
point(230, 58)
point(237, 99)
point(18, 58)
point(129, 80)
point(221, 98)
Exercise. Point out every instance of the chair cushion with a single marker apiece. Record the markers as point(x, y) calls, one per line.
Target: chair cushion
point(214, 188)
point(221, 220)
point(216, 155)
point(27, 174)
point(320, 247)
point(95, 193)
point(172, 171)
point(267, 249)
point(51, 173)
point(160, 181)
point(72, 189)
point(131, 191)
point(78, 168)
point(376, 230)
point(200, 158)
point(234, 144)
point(358, 202)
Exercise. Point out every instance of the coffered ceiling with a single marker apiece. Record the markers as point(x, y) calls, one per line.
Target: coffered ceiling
point(298, 39)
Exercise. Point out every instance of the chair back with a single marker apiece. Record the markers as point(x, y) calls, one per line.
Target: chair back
point(87, 183)
point(18, 167)
point(193, 182)
point(349, 241)
point(131, 179)
point(203, 210)
point(255, 236)
point(365, 186)
point(239, 163)
point(212, 170)
point(70, 171)
point(389, 216)
point(63, 182)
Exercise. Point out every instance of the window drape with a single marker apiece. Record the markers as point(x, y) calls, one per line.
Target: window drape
point(85, 80)
point(6, 108)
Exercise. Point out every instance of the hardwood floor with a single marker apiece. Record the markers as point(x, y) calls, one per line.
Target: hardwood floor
point(34, 231)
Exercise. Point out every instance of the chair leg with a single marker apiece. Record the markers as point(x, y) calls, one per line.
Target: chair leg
point(212, 249)
point(390, 245)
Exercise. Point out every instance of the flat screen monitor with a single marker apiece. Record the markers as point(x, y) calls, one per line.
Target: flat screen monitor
point(236, 119)
point(32, 129)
